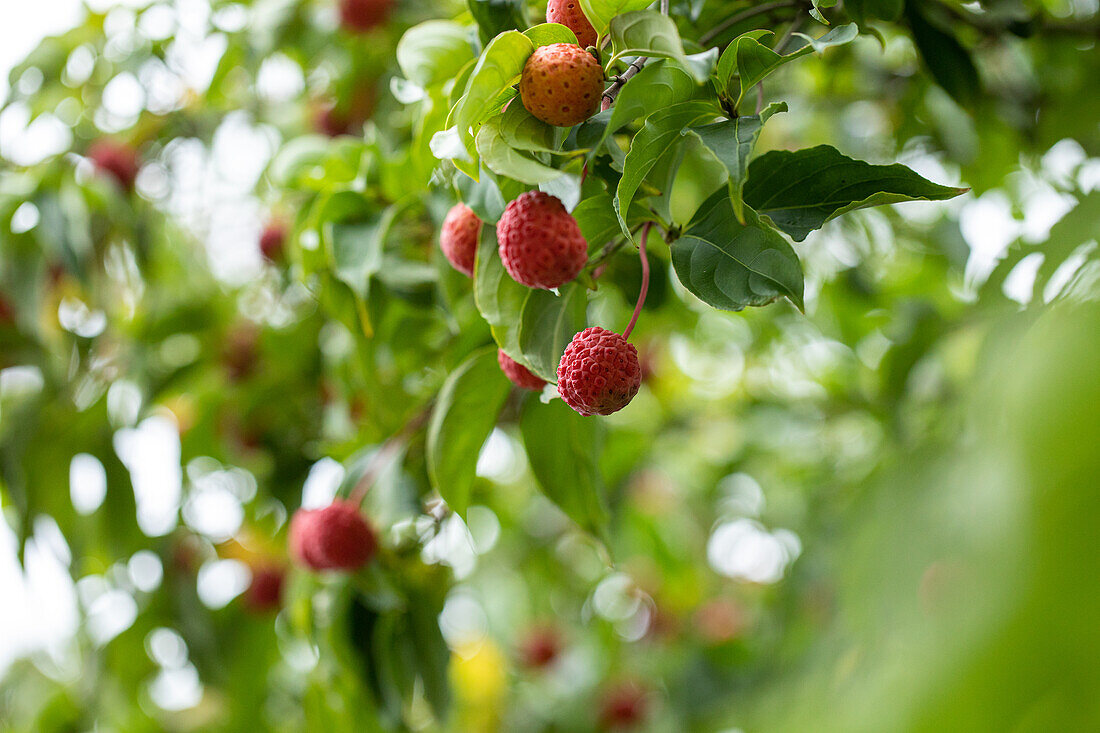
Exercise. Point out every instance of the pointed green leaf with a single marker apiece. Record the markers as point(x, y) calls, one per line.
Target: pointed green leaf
point(465, 412)
point(523, 131)
point(660, 130)
point(433, 52)
point(732, 142)
point(548, 323)
point(499, 67)
point(562, 448)
point(754, 61)
point(545, 34)
point(649, 33)
point(801, 190)
point(947, 60)
point(730, 265)
point(504, 160)
point(600, 12)
point(658, 85)
point(498, 297)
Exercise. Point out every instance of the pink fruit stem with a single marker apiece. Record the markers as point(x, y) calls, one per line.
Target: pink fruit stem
point(645, 280)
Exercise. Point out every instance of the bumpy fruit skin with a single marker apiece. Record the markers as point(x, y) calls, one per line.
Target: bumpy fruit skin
point(569, 14)
point(541, 244)
point(599, 372)
point(334, 538)
point(624, 707)
point(272, 239)
point(518, 374)
point(561, 84)
point(265, 592)
point(359, 16)
point(458, 237)
point(116, 159)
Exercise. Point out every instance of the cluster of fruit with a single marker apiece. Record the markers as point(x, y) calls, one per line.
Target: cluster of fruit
point(540, 243)
point(541, 246)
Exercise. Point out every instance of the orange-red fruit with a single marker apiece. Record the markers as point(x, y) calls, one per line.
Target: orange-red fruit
point(519, 375)
point(334, 538)
point(541, 244)
point(272, 239)
point(599, 372)
point(458, 237)
point(265, 592)
point(623, 707)
point(569, 14)
point(359, 16)
point(117, 160)
point(561, 84)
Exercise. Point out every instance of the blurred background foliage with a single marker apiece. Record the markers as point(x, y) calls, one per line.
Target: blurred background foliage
point(874, 516)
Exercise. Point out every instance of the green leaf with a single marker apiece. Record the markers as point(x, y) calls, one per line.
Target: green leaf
point(815, 11)
point(730, 265)
point(658, 85)
point(838, 36)
point(596, 217)
point(523, 131)
point(660, 130)
point(434, 52)
point(726, 71)
point(357, 249)
point(600, 12)
point(649, 33)
point(547, 325)
point(752, 61)
point(465, 412)
point(494, 17)
point(801, 190)
point(431, 652)
point(702, 65)
point(562, 448)
point(732, 142)
point(948, 62)
point(496, 71)
point(545, 34)
point(504, 160)
point(483, 195)
point(566, 188)
point(498, 297)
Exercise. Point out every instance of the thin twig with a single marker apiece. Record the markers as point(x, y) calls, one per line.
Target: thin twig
point(634, 67)
point(645, 279)
point(617, 86)
point(745, 15)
